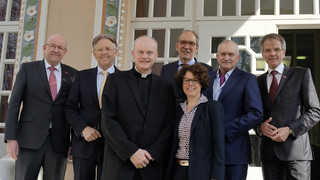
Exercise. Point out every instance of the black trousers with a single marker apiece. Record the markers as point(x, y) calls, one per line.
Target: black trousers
point(180, 172)
point(286, 170)
point(85, 168)
point(29, 162)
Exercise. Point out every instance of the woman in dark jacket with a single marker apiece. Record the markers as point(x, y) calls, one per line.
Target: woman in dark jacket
point(198, 143)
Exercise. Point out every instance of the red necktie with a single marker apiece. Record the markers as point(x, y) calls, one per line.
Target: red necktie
point(53, 82)
point(222, 79)
point(273, 86)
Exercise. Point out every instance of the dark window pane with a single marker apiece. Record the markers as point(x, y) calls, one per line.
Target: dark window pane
point(3, 9)
point(3, 109)
point(215, 41)
point(229, 8)
point(173, 39)
point(210, 8)
point(255, 43)
point(1, 42)
point(306, 6)
point(15, 10)
point(142, 8)
point(247, 7)
point(244, 62)
point(7, 76)
point(138, 33)
point(156, 68)
point(239, 40)
point(286, 7)
point(160, 8)
point(305, 54)
point(159, 36)
point(177, 8)
point(266, 7)
point(214, 63)
point(11, 48)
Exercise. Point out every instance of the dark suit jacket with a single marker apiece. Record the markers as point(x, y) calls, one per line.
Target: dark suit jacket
point(296, 105)
point(241, 101)
point(32, 89)
point(127, 128)
point(82, 110)
point(169, 72)
point(206, 155)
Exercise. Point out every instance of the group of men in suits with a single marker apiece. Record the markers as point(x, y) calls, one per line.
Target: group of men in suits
point(121, 130)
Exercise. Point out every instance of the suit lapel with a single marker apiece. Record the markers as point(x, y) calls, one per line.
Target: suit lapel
point(133, 85)
point(173, 71)
point(197, 116)
point(43, 76)
point(93, 83)
point(232, 81)
point(286, 73)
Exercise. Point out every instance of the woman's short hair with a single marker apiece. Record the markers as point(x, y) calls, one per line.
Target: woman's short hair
point(199, 71)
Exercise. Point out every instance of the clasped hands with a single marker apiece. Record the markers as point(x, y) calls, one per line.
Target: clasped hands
point(276, 134)
point(90, 134)
point(141, 158)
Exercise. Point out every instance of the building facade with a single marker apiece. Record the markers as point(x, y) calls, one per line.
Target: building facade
point(25, 24)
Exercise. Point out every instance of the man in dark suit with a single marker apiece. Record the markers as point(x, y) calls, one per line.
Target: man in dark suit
point(291, 108)
point(83, 111)
point(40, 135)
point(138, 115)
point(186, 46)
point(239, 95)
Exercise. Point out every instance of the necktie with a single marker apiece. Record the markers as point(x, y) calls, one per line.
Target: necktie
point(273, 86)
point(222, 79)
point(53, 82)
point(105, 73)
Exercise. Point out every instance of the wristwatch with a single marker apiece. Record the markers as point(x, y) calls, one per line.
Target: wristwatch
point(291, 131)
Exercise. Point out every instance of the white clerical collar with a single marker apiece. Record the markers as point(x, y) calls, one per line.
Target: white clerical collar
point(142, 75)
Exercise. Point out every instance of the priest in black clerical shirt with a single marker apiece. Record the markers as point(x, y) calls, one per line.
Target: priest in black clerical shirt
point(138, 111)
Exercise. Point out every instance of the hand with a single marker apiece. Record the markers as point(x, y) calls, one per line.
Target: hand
point(69, 155)
point(90, 134)
point(267, 129)
point(140, 158)
point(281, 134)
point(13, 148)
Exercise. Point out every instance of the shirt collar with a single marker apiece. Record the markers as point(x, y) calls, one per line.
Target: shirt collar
point(279, 69)
point(227, 74)
point(191, 62)
point(142, 75)
point(47, 65)
point(110, 70)
point(202, 99)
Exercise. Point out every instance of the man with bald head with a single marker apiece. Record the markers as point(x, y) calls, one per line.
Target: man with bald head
point(239, 94)
point(39, 136)
point(138, 110)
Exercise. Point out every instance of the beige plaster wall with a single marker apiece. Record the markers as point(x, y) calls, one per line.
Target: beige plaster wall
point(74, 19)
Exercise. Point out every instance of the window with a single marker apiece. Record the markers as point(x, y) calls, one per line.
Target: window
point(250, 55)
point(9, 22)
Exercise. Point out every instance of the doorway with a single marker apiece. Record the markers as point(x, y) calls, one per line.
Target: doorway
point(303, 48)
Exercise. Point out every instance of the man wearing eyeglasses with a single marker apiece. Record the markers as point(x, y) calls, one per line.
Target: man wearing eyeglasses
point(239, 94)
point(186, 46)
point(83, 110)
point(39, 136)
point(291, 108)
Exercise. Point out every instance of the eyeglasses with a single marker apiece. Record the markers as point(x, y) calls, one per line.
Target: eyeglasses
point(187, 81)
point(53, 47)
point(184, 43)
point(105, 49)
